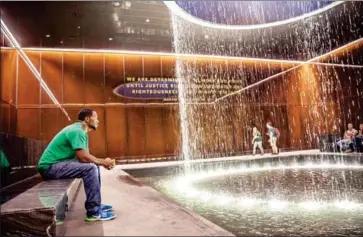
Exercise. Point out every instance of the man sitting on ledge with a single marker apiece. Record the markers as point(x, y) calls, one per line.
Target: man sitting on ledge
point(67, 157)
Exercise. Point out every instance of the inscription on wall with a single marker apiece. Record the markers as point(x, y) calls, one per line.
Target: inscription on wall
point(166, 88)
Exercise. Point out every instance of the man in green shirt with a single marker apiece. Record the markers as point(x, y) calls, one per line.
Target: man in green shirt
point(67, 156)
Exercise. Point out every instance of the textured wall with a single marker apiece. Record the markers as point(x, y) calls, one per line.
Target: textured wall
point(302, 103)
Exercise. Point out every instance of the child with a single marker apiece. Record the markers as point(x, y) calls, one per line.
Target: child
point(257, 141)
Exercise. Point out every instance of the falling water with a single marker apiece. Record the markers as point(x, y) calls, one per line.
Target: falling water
point(303, 100)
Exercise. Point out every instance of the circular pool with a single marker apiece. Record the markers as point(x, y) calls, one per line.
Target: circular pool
point(284, 200)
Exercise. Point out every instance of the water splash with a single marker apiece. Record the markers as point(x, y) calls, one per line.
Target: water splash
point(304, 101)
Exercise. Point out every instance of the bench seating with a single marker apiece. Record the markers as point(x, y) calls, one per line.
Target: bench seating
point(39, 210)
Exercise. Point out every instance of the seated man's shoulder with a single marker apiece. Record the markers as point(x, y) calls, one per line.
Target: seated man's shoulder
point(74, 130)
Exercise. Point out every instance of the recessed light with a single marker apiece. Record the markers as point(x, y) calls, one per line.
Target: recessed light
point(79, 27)
point(206, 36)
point(116, 4)
point(48, 35)
point(110, 39)
point(147, 20)
point(61, 42)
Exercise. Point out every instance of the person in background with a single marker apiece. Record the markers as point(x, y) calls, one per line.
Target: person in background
point(274, 134)
point(257, 140)
point(347, 143)
point(67, 157)
point(359, 139)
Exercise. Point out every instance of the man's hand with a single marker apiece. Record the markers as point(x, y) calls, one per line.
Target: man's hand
point(109, 163)
point(85, 157)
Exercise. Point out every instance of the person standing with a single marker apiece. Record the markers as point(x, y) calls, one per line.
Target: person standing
point(257, 140)
point(274, 134)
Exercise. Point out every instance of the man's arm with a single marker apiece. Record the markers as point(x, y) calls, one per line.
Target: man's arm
point(78, 141)
point(85, 157)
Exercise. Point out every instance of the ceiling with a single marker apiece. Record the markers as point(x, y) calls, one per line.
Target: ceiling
point(242, 13)
point(90, 24)
point(146, 26)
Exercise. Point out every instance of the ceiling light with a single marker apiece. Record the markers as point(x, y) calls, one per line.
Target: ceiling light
point(61, 42)
point(312, 61)
point(165, 54)
point(116, 4)
point(79, 27)
point(110, 38)
point(206, 36)
point(47, 35)
point(147, 20)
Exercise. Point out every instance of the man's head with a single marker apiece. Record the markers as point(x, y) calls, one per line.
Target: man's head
point(268, 124)
point(89, 117)
point(350, 126)
point(361, 126)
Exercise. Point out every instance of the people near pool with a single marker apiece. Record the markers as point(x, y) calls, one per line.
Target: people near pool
point(257, 140)
point(359, 139)
point(348, 143)
point(273, 134)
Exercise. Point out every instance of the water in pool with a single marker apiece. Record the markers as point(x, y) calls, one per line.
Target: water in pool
point(301, 199)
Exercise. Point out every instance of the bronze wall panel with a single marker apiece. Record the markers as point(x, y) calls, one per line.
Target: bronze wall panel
point(152, 66)
point(172, 133)
point(94, 78)
point(97, 139)
point(28, 123)
point(51, 123)
point(135, 131)
point(73, 78)
point(116, 131)
point(51, 71)
point(154, 132)
point(168, 66)
point(28, 84)
point(114, 76)
point(8, 76)
point(133, 66)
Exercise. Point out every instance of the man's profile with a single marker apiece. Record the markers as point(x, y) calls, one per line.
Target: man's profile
point(67, 157)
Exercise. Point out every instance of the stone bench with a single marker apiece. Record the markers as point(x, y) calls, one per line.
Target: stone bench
point(38, 210)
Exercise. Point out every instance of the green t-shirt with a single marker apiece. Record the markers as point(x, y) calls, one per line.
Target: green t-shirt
point(63, 146)
point(4, 163)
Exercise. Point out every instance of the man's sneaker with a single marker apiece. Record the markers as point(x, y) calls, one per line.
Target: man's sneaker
point(105, 207)
point(102, 216)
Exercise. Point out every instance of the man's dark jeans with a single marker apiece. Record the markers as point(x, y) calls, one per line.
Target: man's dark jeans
point(359, 144)
point(90, 173)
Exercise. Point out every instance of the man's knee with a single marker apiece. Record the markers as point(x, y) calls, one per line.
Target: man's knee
point(91, 169)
